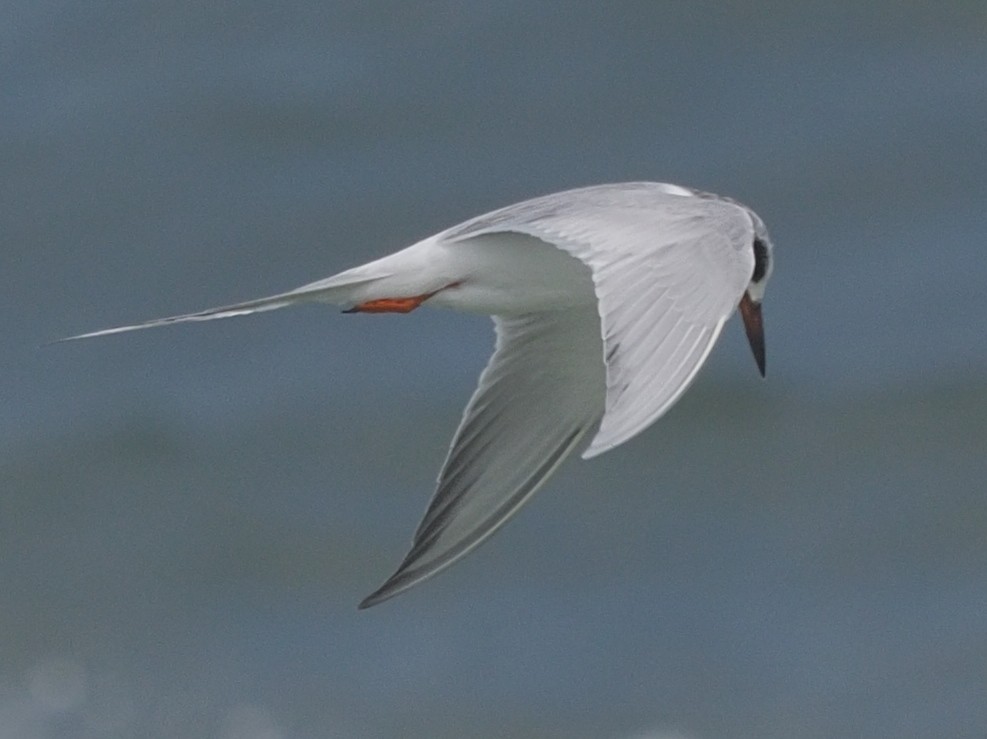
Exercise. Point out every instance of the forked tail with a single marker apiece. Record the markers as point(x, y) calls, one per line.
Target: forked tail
point(342, 289)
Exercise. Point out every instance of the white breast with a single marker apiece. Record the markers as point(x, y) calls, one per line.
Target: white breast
point(510, 274)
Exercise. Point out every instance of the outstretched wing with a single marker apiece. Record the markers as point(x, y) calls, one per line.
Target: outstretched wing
point(669, 266)
point(541, 392)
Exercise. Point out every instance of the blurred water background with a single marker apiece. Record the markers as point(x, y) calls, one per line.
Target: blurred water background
point(189, 516)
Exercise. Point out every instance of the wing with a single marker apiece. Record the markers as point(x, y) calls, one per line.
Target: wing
point(669, 267)
point(542, 390)
point(661, 318)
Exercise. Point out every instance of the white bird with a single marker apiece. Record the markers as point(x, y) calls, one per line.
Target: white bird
point(606, 301)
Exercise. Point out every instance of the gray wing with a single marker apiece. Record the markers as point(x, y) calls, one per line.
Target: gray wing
point(669, 267)
point(538, 396)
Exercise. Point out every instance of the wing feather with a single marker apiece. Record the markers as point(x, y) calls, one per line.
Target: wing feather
point(669, 267)
point(541, 392)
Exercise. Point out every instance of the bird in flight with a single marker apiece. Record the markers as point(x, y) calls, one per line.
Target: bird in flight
point(606, 301)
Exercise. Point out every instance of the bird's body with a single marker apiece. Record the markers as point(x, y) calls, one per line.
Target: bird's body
point(606, 301)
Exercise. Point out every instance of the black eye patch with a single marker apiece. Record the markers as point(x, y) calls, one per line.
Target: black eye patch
point(760, 260)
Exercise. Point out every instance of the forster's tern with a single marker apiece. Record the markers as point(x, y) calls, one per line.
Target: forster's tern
point(606, 301)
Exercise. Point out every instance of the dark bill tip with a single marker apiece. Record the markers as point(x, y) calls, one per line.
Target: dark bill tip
point(754, 325)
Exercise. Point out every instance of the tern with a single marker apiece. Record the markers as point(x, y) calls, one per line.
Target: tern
point(606, 301)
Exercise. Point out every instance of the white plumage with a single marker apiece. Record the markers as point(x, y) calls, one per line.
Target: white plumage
point(606, 302)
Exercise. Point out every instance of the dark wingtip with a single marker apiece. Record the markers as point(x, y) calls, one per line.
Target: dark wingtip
point(388, 590)
point(368, 602)
point(371, 600)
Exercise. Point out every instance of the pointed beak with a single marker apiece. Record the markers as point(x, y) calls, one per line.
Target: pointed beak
point(751, 313)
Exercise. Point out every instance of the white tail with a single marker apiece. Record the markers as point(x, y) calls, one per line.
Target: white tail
point(341, 289)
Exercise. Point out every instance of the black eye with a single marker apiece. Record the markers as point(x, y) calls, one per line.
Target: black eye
point(760, 260)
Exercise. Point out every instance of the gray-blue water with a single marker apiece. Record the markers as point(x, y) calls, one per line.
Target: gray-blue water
point(189, 516)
